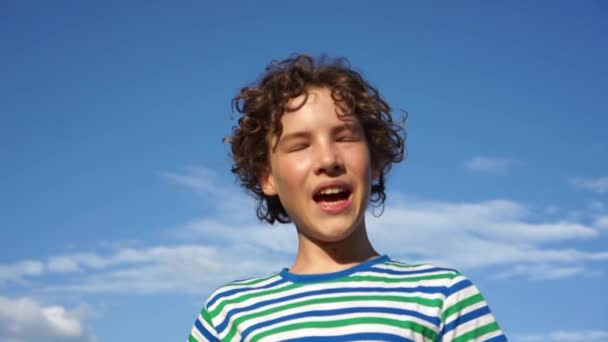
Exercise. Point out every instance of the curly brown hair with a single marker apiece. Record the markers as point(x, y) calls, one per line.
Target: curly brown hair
point(263, 103)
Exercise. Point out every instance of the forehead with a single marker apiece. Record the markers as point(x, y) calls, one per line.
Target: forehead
point(312, 113)
point(315, 109)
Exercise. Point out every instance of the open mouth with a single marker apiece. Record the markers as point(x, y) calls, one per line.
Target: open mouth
point(331, 195)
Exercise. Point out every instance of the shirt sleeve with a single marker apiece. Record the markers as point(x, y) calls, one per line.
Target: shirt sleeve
point(203, 329)
point(465, 315)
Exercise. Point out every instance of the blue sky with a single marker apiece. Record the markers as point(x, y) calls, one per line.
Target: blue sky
point(118, 213)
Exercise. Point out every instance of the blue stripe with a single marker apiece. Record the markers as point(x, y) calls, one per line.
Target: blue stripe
point(322, 313)
point(352, 337)
point(499, 338)
point(466, 318)
point(241, 290)
point(463, 284)
point(199, 326)
point(407, 272)
point(310, 278)
point(424, 289)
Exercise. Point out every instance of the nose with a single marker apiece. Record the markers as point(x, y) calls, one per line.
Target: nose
point(328, 160)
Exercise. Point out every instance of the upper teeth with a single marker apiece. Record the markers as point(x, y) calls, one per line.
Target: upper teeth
point(331, 191)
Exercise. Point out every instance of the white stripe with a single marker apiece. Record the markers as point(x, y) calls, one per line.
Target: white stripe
point(489, 335)
point(468, 326)
point(196, 334)
point(230, 287)
point(253, 291)
point(431, 311)
point(459, 296)
point(411, 268)
point(206, 325)
point(351, 329)
point(449, 275)
point(397, 265)
point(341, 284)
point(355, 286)
point(351, 304)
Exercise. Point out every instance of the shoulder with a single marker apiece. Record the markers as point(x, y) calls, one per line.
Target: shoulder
point(239, 288)
point(443, 281)
point(464, 310)
point(204, 328)
point(425, 273)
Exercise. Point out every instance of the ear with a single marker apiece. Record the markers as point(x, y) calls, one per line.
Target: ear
point(266, 181)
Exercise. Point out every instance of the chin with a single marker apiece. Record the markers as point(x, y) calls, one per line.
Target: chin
point(335, 234)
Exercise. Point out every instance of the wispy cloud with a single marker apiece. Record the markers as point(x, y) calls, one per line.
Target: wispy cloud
point(178, 268)
point(231, 204)
point(564, 336)
point(16, 271)
point(544, 272)
point(599, 185)
point(24, 319)
point(601, 221)
point(596, 206)
point(199, 179)
point(506, 235)
point(490, 165)
point(483, 234)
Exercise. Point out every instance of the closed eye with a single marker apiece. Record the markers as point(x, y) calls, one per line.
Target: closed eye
point(348, 138)
point(296, 147)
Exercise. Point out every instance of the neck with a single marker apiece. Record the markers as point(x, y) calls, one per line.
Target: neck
point(316, 256)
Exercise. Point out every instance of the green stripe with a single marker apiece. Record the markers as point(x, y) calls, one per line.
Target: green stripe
point(348, 279)
point(417, 300)
point(402, 265)
point(421, 329)
point(245, 297)
point(192, 339)
point(461, 305)
point(397, 280)
point(206, 317)
point(251, 281)
point(488, 328)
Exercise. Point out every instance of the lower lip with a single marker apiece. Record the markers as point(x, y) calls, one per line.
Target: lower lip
point(335, 207)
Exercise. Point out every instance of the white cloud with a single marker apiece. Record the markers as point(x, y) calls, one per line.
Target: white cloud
point(196, 178)
point(489, 165)
point(596, 206)
point(601, 222)
point(503, 234)
point(542, 272)
point(62, 264)
point(224, 252)
point(25, 320)
point(550, 210)
point(564, 336)
point(232, 205)
point(483, 234)
point(276, 238)
point(599, 185)
point(16, 271)
point(496, 219)
point(182, 268)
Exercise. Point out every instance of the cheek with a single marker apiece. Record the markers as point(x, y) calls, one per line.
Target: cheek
point(293, 170)
point(363, 163)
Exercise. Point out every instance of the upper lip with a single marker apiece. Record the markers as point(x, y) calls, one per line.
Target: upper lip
point(331, 184)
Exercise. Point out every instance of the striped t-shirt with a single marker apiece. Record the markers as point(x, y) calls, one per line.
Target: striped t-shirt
point(378, 300)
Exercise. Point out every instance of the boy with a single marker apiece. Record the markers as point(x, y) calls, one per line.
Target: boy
point(314, 144)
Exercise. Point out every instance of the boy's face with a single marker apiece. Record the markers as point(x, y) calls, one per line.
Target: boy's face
point(320, 169)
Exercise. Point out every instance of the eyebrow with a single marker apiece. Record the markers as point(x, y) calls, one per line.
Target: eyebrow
point(293, 136)
point(346, 126)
